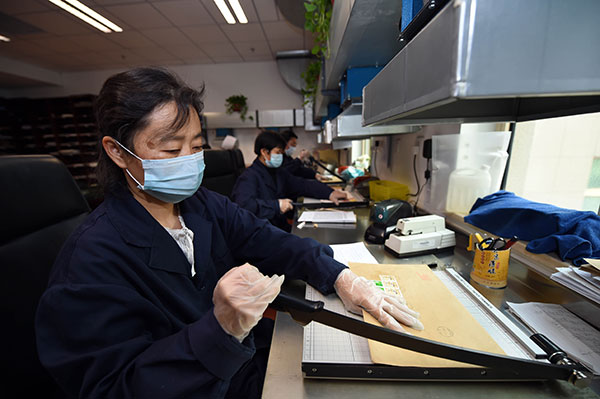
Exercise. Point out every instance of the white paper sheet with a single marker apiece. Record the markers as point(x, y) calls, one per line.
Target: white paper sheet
point(573, 335)
point(573, 280)
point(355, 252)
point(328, 217)
point(594, 262)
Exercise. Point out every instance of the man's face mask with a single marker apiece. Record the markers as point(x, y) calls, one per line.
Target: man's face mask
point(171, 179)
point(275, 161)
point(290, 150)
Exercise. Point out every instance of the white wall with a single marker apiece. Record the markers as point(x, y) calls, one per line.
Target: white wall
point(552, 158)
point(259, 81)
point(401, 165)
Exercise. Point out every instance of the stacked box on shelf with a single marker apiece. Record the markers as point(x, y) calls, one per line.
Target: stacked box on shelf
point(64, 127)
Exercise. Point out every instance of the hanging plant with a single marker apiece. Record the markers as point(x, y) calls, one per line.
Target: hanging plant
point(317, 19)
point(237, 104)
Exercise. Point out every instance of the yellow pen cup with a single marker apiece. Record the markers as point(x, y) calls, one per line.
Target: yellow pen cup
point(490, 268)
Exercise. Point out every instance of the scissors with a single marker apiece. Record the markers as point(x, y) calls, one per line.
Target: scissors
point(492, 244)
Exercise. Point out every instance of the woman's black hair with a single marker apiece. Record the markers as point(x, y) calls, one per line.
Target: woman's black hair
point(268, 140)
point(288, 135)
point(125, 104)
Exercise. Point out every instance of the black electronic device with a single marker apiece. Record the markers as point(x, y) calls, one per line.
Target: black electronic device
point(385, 215)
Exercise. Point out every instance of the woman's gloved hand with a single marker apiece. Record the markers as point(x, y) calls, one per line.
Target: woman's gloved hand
point(358, 293)
point(285, 204)
point(241, 297)
point(337, 195)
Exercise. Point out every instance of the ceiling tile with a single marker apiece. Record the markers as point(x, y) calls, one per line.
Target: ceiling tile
point(218, 17)
point(126, 57)
point(267, 10)
point(214, 12)
point(245, 32)
point(139, 16)
point(98, 58)
point(282, 30)
point(248, 8)
point(166, 36)
point(152, 53)
point(19, 7)
point(62, 62)
point(254, 58)
point(30, 36)
point(286, 45)
point(199, 61)
point(252, 48)
point(205, 34)
point(219, 49)
point(225, 59)
point(95, 42)
point(22, 47)
point(115, 2)
point(187, 52)
point(60, 45)
point(57, 22)
point(184, 12)
point(130, 39)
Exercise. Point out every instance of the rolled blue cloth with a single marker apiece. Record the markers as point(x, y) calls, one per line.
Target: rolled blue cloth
point(573, 234)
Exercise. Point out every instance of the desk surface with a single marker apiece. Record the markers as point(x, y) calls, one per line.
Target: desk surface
point(284, 374)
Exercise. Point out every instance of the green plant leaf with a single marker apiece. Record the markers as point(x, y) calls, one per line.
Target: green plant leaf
point(310, 7)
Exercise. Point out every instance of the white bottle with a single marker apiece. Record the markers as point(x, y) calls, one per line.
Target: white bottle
point(465, 186)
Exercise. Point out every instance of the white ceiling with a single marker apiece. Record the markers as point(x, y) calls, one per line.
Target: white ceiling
point(155, 32)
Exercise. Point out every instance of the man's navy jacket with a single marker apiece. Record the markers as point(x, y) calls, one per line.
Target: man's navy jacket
point(258, 190)
point(295, 167)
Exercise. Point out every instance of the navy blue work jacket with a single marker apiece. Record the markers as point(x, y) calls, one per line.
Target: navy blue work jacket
point(124, 318)
point(258, 190)
point(295, 167)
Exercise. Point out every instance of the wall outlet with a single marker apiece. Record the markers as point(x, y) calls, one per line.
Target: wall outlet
point(415, 150)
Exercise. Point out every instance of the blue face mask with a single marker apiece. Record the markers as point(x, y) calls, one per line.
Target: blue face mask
point(290, 151)
point(172, 179)
point(275, 161)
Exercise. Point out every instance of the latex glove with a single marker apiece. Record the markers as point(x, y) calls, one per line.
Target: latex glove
point(358, 293)
point(337, 195)
point(241, 297)
point(285, 205)
point(304, 154)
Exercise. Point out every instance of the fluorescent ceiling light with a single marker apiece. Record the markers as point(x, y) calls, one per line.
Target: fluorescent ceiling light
point(95, 15)
point(239, 12)
point(4, 39)
point(225, 11)
point(82, 16)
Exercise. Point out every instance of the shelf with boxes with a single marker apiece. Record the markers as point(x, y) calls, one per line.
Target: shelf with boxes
point(64, 127)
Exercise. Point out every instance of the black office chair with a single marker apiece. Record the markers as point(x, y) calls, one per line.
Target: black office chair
point(238, 161)
point(41, 206)
point(222, 170)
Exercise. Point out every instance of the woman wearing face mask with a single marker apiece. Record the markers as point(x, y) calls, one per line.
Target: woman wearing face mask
point(265, 188)
point(147, 298)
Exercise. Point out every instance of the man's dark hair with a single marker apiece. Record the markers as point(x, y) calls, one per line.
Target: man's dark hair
point(125, 104)
point(288, 135)
point(268, 140)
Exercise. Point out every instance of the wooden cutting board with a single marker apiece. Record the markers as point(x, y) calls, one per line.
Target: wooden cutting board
point(445, 319)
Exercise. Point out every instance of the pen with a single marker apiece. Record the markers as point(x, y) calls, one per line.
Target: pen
point(511, 242)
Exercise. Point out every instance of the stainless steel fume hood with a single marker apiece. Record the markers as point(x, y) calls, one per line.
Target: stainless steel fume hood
point(348, 126)
point(493, 61)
